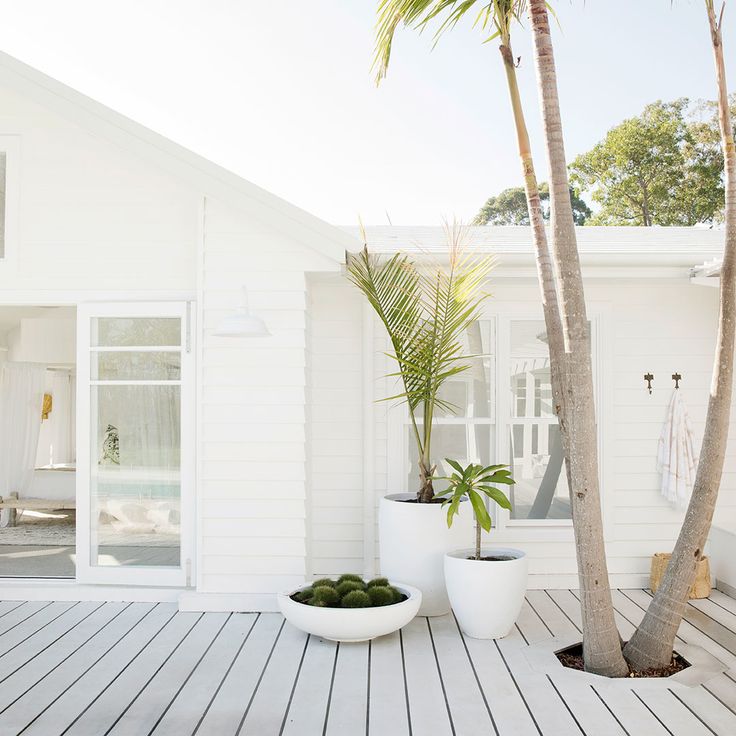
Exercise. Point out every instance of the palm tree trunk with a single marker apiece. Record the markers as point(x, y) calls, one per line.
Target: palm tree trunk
point(601, 639)
point(652, 643)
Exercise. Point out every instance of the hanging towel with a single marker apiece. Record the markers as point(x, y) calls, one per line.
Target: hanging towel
point(676, 458)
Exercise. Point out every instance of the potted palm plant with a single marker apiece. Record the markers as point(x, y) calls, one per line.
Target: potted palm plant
point(486, 586)
point(426, 312)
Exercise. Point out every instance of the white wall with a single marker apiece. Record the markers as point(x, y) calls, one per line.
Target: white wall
point(661, 326)
point(91, 215)
point(252, 426)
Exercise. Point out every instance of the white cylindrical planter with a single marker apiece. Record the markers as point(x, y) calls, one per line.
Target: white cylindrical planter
point(414, 538)
point(486, 595)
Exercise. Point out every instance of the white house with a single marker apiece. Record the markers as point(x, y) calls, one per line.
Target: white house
point(216, 470)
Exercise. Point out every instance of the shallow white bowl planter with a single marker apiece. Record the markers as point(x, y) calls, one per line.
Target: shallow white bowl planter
point(414, 538)
point(486, 595)
point(351, 624)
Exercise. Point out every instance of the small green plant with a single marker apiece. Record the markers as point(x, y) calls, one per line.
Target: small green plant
point(349, 591)
point(346, 586)
point(469, 482)
point(323, 595)
point(356, 599)
point(381, 595)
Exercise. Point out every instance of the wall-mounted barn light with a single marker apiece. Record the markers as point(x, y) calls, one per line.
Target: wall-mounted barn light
point(242, 323)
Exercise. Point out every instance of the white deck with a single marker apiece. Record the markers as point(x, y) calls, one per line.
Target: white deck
point(140, 668)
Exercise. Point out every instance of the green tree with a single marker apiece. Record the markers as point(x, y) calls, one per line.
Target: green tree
point(510, 207)
point(660, 168)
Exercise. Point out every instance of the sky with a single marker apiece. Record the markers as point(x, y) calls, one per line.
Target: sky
point(281, 92)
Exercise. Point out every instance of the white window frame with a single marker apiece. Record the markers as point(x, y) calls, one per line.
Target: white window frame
point(10, 145)
point(86, 572)
point(507, 529)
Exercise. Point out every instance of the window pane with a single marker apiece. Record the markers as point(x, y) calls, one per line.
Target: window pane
point(471, 392)
point(135, 475)
point(135, 331)
point(149, 366)
point(541, 489)
point(465, 443)
point(3, 189)
point(530, 378)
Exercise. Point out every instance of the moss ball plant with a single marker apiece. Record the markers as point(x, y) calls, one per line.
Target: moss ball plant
point(346, 586)
point(324, 595)
point(349, 591)
point(324, 581)
point(350, 578)
point(356, 599)
point(381, 595)
point(382, 582)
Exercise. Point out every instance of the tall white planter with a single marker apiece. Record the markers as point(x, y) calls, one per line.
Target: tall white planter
point(486, 595)
point(413, 539)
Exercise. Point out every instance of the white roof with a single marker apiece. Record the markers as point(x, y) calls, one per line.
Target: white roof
point(636, 245)
point(211, 179)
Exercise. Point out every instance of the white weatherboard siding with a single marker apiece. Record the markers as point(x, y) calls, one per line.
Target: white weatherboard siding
point(252, 488)
point(643, 324)
point(90, 216)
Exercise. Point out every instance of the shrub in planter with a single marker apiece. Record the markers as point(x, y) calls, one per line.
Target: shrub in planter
point(349, 591)
point(350, 609)
point(426, 312)
point(486, 586)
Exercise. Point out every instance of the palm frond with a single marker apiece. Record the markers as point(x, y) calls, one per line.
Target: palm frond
point(494, 15)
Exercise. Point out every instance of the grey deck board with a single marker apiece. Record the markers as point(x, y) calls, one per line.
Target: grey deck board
point(89, 685)
point(91, 669)
point(307, 712)
point(470, 715)
point(387, 705)
point(427, 706)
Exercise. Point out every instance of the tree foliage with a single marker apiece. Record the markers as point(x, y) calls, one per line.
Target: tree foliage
point(510, 207)
point(663, 167)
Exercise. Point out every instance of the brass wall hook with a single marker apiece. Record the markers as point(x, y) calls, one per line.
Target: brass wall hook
point(676, 377)
point(649, 377)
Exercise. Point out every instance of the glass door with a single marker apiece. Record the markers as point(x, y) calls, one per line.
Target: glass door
point(135, 456)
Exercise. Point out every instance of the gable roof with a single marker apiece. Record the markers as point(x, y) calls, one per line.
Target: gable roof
point(198, 171)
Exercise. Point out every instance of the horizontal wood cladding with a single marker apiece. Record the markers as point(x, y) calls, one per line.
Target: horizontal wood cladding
point(253, 408)
point(660, 327)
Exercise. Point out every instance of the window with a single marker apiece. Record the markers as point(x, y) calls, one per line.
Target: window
point(9, 192)
point(535, 447)
point(468, 435)
point(504, 415)
point(3, 180)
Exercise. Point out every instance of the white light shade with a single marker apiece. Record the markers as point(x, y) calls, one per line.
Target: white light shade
point(242, 324)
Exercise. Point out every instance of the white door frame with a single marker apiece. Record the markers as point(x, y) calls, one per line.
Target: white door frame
point(132, 575)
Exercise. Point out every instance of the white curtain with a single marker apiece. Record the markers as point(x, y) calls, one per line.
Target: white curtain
point(21, 400)
point(61, 418)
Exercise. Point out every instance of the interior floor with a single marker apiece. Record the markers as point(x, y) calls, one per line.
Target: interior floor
point(41, 544)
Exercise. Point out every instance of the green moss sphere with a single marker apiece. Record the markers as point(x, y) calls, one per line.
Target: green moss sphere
point(324, 581)
point(304, 595)
point(380, 595)
point(324, 595)
point(356, 599)
point(381, 582)
point(397, 594)
point(349, 577)
point(346, 586)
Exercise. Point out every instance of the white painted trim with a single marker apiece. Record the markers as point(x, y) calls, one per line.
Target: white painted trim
point(50, 589)
point(199, 392)
point(71, 298)
point(225, 602)
point(157, 576)
point(369, 444)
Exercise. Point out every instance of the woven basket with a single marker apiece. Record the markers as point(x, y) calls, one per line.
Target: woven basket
point(701, 586)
